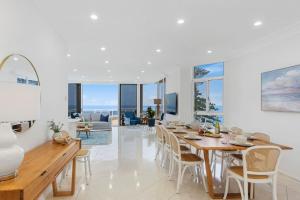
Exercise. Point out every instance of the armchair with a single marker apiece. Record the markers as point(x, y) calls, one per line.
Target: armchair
point(131, 119)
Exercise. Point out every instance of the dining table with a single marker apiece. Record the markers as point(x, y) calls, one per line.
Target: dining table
point(221, 143)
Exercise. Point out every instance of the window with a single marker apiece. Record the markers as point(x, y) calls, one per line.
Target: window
point(208, 92)
point(100, 98)
point(128, 98)
point(149, 94)
point(74, 98)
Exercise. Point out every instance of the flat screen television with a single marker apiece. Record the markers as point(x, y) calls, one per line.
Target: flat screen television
point(171, 103)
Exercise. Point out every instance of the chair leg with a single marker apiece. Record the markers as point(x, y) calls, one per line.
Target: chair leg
point(170, 164)
point(246, 190)
point(172, 168)
point(85, 170)
point(241, 188)
point(201, 169)
point(162, 154)
point(252, 191)
point(157, 150)
point(226, 187)
point(182, 174)
point(274, 188)
point(178, 178)
point(89, 162)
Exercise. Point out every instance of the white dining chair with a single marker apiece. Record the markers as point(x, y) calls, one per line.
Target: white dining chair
point(184, 161)
point(160, 142)
point(260, 165)
point(167, 155)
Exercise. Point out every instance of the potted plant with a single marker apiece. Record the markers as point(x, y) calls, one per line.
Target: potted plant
point(150, 115)
point(56, 128)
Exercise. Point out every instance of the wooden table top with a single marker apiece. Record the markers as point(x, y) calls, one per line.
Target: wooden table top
point(30, 168)
point(210, 143)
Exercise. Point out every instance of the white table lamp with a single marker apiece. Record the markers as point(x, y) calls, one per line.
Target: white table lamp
point(17, 103)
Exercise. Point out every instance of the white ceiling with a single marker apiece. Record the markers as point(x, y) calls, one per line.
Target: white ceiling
point(131, 30)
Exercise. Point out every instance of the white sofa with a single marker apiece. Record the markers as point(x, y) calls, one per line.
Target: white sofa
point(93, 118)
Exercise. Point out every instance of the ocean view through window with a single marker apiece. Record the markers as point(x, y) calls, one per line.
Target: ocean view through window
point(100, 97)
point(149, 94)
point(208, 92)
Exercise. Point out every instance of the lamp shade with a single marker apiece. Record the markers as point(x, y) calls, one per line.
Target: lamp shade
point(19, 102)
point(157, 101)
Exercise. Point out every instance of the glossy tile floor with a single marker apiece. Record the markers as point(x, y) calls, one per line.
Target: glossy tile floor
point(125, 169)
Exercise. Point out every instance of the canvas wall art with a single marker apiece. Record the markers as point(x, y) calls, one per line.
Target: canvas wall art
point(281, 90)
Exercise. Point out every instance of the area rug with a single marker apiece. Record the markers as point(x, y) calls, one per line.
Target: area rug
point(96, 138)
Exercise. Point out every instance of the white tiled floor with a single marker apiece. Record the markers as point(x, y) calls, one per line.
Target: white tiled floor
point(126, 169)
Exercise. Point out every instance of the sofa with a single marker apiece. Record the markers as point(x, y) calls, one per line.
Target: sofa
point(98, 120)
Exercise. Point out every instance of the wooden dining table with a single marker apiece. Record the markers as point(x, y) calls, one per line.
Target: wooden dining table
point(207, 144)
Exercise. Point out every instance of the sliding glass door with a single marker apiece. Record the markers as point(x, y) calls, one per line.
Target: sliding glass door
point(74, 98)
point(128, 99)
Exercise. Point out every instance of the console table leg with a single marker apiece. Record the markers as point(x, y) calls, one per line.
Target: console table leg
point(57, 193)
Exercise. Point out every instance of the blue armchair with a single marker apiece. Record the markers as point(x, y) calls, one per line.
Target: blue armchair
point(131, 119)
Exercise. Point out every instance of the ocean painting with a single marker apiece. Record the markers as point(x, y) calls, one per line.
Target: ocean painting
point(281, 90)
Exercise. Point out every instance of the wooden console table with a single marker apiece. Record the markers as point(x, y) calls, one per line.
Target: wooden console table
point(39, 169)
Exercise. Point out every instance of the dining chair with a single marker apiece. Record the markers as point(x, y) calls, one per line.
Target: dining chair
point(185, 160)
point(167, 149)
point(260, 165)
point(225, 156)
point(160, 142)
point(257, 136)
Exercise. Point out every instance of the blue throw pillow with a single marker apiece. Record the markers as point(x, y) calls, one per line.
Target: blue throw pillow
point(104, 118)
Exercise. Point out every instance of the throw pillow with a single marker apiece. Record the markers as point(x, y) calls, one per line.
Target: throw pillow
point(104, 118)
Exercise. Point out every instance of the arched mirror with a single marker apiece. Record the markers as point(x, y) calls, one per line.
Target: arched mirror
point(16, 69)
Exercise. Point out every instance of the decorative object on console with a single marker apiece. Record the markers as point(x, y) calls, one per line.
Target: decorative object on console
point(150, 115)
point(64, 138)
point(280, 90)
point(20, 102)
point(56, 128)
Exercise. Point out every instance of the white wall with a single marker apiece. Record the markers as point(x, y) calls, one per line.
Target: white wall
point(242, 97)
point(180, 81)
point(24, 31)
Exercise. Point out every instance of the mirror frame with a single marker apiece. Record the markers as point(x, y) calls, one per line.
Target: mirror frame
point(2, 65)
point(16, 54)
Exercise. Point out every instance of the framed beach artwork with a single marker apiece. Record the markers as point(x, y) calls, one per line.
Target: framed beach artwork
point(280, 90)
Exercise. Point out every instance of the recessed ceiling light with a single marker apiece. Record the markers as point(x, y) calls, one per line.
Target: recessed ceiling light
point(142, 71)
point(103, 48)
point(180, 21)
point(68, 55)
point(94, 17)
point(108, 70)
point(257, 23)
point(16, 58)
point(158, 50)
point(106, 62)
point(75, 70)
point(149, 63)
point(209, 51)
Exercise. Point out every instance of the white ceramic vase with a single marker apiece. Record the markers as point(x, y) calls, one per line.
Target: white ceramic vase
point(11, 155)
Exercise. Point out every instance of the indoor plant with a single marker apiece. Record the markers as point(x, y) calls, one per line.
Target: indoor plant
point(150, 115)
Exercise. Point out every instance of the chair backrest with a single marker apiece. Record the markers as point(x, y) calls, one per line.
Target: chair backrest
point(159, 133)
point(236, 130)
point(129, 114)
point(261, 136)
point(261, 160)
point(175, 146)
point(166, 135)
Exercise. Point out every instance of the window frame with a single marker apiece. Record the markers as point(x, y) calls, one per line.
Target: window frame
point(207, 82)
